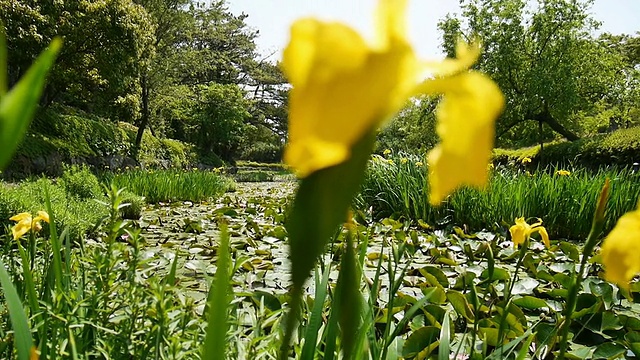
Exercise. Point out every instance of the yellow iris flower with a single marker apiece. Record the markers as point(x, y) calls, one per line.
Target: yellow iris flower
point(344, 88)
point(563, 172)
point(621, 250)
point(526, 160)
point(26, 223)
point(521, 231)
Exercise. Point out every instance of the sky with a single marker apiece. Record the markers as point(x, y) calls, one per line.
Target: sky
point(272, 19)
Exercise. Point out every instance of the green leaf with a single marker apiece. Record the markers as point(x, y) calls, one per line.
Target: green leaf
point(421, 342)
point(571, 250)
point(460, 304)
point(349, 300)
point(445, 333)
point(315, 320)
point(269, 300)
point(498, 274)
point(530, 302)
point(435, 273)
point(18, 106)
point(609, 350)
point(320, 206)
point(19, 322)
point(218, 301)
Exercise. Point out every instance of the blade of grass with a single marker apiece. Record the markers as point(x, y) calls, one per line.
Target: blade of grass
point(171, 278)
point(315, 320)
point(216, 333)
point(55, 243)
point(445, 341)
point(22, 333)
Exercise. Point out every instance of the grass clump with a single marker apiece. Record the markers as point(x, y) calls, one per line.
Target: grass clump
point(172, 185)
point(73, 212)
point(618, 148)
point(78, 180)
point(399, 188)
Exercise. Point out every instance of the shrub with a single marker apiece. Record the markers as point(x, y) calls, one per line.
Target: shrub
point(618, 148)
point(263, 152)
point(136, 204)
point(76, 214)
point(78, 180)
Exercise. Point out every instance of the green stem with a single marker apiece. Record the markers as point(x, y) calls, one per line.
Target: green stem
point(596, 229)
point(291, 321)
point(507, 297)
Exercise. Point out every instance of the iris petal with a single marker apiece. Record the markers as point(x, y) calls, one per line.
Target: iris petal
point(621, 250)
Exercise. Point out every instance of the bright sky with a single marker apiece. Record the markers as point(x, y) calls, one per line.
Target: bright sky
point(273, 18)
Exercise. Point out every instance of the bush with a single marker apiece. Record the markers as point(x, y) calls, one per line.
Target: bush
point(65, 135)
point(134, 209)
point(263, 152)
point(619, 148)
point(71, 212)
point(78, 180)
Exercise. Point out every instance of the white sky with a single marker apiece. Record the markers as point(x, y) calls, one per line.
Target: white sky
point(273, 18)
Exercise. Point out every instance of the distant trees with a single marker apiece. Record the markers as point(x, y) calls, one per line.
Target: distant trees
point(544, 58)
point(177, 67)
point(106, 43)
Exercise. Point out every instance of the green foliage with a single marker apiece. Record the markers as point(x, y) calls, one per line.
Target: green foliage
point(98, 283)
point(218, 122)
point(564, 203)
point(76, 214)
point(619, 148)
point(104, 81)
point(172, 185)
point(81, 182)
point(135, 205)
point(535, 53)
point(253, 176)
point(69, 135)
point(413, 129)
point(263, 152)
point(18, 105)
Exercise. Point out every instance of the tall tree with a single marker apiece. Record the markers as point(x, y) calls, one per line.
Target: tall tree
point(170, 19)
point(105, 43)
point(537, 53)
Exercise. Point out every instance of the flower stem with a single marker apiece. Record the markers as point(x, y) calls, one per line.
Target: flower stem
point(590, 244)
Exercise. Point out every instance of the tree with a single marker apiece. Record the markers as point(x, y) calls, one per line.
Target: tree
point(170, 20)
point(627, 99)
point(412, 129)
point(538, 56)
point(218, 121)
point(105, 43)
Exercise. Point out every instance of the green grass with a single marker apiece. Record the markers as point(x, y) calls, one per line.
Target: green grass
point(564, 203)
point(172, 185)
point(73, 198)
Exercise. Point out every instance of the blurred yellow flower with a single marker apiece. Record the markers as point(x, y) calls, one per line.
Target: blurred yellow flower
point(390, 161)
point(621, 250)
point(419, 163)
point(490, 166)
point(344, 88)
point(403, 160)
point(386, 152)
point(526, 160)
point(563, 172)
point(26, 222)
point(521, 231)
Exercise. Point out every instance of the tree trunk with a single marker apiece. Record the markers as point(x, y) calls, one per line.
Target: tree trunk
point(541, 140)
point(144, 120)
point(546, 117)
